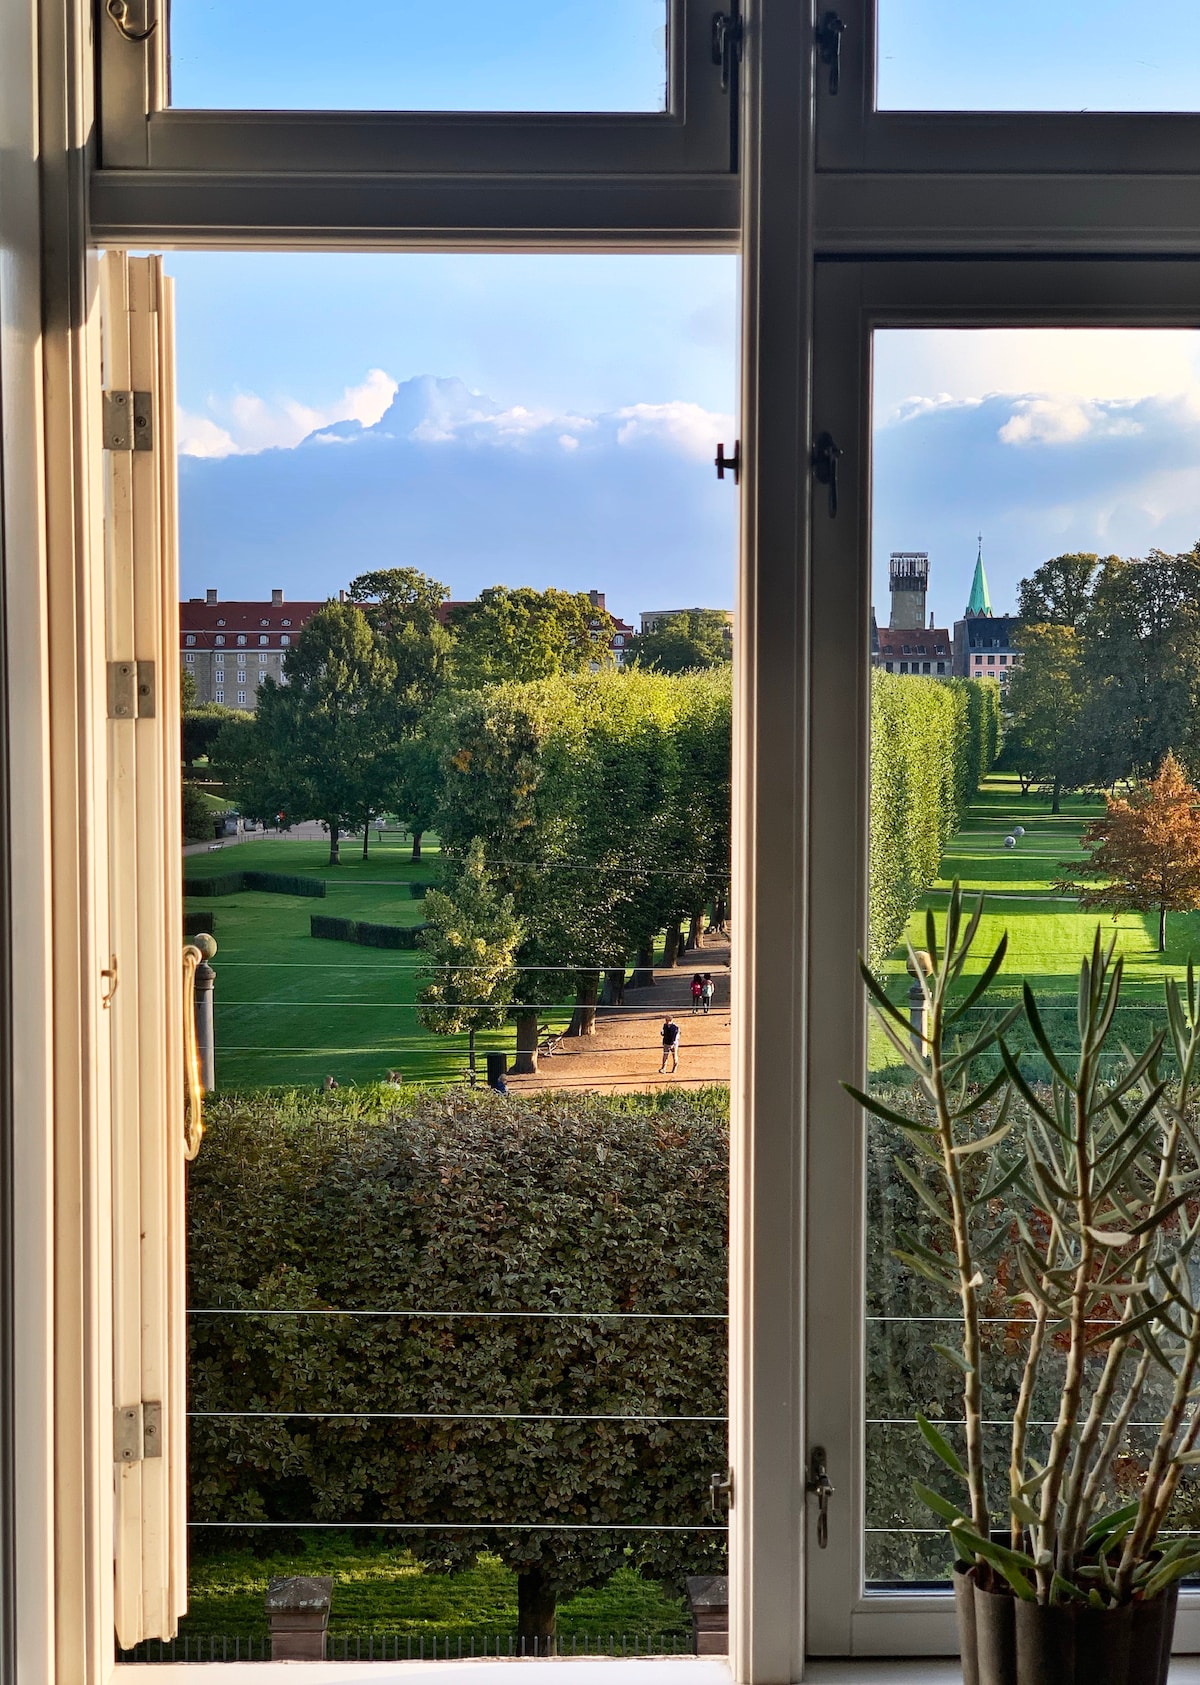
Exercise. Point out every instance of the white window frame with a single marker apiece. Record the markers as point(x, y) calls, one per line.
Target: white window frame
point(853, 135)
point(852, 300)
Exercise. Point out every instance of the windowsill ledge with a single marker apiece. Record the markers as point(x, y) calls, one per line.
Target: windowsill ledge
point(666, 1670)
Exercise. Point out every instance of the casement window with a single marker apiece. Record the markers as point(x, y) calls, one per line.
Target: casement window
point(834, 184)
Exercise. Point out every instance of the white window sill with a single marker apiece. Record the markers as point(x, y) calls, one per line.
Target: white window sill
point(665, 1670)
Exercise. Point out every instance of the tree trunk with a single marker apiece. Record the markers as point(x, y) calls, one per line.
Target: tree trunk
point(537, 1609)
point(416, 852)
point(1056, 802)
point(471, 1054)
point(695, 931)
point(643, 969)
point(1162, 930)
point(335, 846)
point(672, 944)
point(366, 835)
point(719, 911)
point(583, 1019)
point(614, 986)
point(525, 1063)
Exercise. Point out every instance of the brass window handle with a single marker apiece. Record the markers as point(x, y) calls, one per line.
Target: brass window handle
point(193, 1105)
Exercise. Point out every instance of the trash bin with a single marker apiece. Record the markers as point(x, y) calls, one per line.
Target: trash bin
point(497, 1066)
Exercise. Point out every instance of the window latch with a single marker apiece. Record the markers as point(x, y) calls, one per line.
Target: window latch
point(727, 39)
point(825, 453)
point(828, 36)
point(720, 1493)
point(819, 1484)
point(733, 463)
point(118, 11)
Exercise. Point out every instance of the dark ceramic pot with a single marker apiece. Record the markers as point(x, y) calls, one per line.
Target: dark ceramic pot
point(1004, 1641)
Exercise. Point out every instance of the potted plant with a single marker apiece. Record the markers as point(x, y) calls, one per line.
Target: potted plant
point(1082, 1192)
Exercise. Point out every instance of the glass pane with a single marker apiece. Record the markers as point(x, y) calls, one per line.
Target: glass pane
point(438, 528)
point(1018, 55)
point(391, 55)
point(1072, 620)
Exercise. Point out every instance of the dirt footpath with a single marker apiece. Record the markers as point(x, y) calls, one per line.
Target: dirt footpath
point(626, 1051)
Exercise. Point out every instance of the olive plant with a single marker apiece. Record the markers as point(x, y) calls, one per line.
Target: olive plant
point(1089, 1206)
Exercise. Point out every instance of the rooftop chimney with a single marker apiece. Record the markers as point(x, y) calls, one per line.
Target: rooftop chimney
point(276, 599)
point(210, 596)
point(596, 598)
point(341, 596)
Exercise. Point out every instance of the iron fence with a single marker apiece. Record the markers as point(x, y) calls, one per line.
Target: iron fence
point(413, 1647)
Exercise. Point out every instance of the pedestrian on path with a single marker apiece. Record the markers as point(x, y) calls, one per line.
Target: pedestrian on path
point(670, 1044)
point(707, 990)
point(697, 991)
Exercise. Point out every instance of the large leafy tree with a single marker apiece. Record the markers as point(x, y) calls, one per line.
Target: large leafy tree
point(1145, 852)
point(693, 639)
point(1044, 705)
point(523, 634)
point(322, 744)
point(203, 724)
point(402, 608)
point(1059, 593)
point(471, 937)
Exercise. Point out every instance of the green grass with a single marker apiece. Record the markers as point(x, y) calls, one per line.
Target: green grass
point(379, 1588)
point(1048, 933)
point(290, 1010)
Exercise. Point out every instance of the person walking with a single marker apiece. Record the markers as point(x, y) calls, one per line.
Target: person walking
point(697, 991)
point(670, 1045)
point(707, 990)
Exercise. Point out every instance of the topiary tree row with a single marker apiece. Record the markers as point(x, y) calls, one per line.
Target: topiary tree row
point(932, 742)
point(378, 1201)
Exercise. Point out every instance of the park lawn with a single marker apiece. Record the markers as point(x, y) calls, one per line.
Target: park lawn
point(379, 1588)
point(291, 1010)
point(1048, 933)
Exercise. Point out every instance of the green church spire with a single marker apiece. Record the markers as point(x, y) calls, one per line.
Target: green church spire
point(980, 602)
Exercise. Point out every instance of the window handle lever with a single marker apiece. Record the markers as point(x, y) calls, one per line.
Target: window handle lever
point(825, 453)
point(828, 36)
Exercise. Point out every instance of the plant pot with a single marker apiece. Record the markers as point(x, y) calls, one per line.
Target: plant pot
point(1004, 1641)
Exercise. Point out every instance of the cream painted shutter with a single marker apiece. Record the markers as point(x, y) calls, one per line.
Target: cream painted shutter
point(147, 991)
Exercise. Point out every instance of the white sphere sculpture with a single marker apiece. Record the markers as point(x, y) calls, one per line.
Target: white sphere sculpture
point(1010, 842)
point(1018, 830)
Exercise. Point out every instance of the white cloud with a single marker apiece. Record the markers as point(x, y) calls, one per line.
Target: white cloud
point(1063, 421)
point(246, 423)
point(568, 441)
point(690, 428)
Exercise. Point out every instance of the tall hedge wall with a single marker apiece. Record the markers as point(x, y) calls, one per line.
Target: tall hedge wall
point(932, 742)
point(378, 1200)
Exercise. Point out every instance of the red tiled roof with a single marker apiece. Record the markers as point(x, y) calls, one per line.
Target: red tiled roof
point(204, 620)
point(929, 641)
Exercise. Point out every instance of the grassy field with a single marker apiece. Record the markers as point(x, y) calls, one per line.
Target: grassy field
point(1048, 933)
point(291, 1010)
point(380, 1588)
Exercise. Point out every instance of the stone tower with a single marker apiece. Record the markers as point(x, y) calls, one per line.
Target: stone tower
point(909, 575)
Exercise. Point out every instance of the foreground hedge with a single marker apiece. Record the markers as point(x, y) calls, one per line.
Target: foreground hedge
point(932, 742)
point(374, 1200)
point(366, 935)
point(273, 883)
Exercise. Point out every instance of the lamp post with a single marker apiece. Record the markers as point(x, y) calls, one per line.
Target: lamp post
point(206, 979)
point(916, 997)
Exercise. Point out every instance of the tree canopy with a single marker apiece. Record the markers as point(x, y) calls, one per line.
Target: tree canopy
point(471, 938)
point(519, 634)
point(692, 639)
point(1044, 704)
point(1145, 852)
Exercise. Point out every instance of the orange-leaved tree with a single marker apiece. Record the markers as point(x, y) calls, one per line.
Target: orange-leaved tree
point(1146, 850)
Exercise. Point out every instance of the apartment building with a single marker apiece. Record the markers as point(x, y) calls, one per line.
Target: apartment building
point(229, 648)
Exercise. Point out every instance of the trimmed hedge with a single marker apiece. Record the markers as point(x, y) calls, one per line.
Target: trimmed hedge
point(199, 924)
point(382, 1200)
point(417, 891)
point(932, 742)
point(273, 883)
point(366, 935)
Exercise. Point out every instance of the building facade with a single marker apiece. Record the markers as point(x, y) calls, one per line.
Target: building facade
point(229, 648)
point(907, 644)
point(984, 642)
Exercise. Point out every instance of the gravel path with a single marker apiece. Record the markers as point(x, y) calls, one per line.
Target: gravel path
point(624, 1055)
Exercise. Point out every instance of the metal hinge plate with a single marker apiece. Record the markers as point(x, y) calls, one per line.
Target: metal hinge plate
point(137, 1432)
point(128, 421)
point(132, 690)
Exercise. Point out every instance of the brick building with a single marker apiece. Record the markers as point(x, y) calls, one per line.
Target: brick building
point(230, 647)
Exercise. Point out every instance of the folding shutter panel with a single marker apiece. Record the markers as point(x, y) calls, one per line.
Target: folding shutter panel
point(147, 990)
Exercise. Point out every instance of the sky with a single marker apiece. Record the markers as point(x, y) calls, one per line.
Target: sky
point(572, 402)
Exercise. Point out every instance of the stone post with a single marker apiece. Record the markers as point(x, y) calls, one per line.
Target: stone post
point(298, 1613)
point(916, 999)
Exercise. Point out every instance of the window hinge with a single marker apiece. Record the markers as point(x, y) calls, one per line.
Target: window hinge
point(828, 36)
point(137, 1432)
point(728, 38)
point(132, 690)
point(733, 462)
point(128, 421)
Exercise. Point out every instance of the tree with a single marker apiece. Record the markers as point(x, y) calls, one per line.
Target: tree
point(1146, 850)
point(418, 787)
point(1043, 708)
point(203, 725)
point(695, 638)
point(472, 937)
point(524, 634)
point(187, 690)
point(197, 816)
point(1059, 593)
point(321, 745)
point(402, 608)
